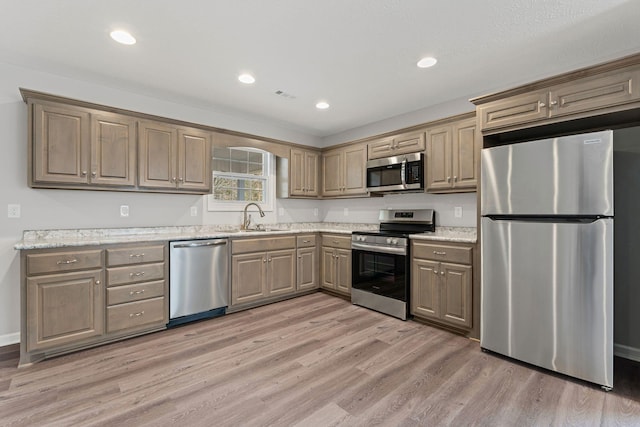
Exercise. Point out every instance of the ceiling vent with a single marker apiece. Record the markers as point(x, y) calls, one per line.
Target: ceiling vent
point(284, 94)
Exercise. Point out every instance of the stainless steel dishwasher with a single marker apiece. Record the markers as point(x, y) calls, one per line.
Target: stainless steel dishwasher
point(198, 279)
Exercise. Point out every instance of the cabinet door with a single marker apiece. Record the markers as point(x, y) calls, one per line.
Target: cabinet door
point(465, 160)
point(328, 268)
point(194, 160)
point(512, 111)
point(113, 150)
point(439, 159)
point(248, 277)
point(311, 162)
point(281, 272)
point(456, 296)
point(297, 173)
point(61, 144)
point(355, 170)
point(594, 93)
point(157, 146)
point(413, 142)
point(380, 148)
point(307, 269)
point(332, 173)
point(64, 309)
point(425, 293)
point(343, 270)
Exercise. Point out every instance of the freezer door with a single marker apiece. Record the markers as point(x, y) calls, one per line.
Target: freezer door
point(547, 295)
point(572, 175)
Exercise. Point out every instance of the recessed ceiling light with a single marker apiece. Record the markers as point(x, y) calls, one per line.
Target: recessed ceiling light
point(427, 62)
point(246, 78)
point(122, 36)
point(322, 105)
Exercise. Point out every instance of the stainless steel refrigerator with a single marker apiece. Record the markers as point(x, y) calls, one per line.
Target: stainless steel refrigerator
point(547, 254)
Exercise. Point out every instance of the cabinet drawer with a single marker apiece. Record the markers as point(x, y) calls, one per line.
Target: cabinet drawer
point(334, 241)
point(135, 255)
point(135, 273)
point(306, 241)
point(137, 292)
point(446, 253)
point(63, 261)
point(263, 244)
point(135, 314)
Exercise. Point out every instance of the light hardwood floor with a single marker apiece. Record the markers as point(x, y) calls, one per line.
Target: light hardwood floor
point(316, 360)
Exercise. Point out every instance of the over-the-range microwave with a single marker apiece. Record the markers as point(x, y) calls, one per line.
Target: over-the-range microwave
point(396, 174)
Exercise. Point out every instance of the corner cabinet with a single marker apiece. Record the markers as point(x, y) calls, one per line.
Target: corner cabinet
point(304, 168)
point(74, 147)
point(442, 283)
point(174, 158)
point(336, 263)
point(72, 298)
point(344, 171)
point(452, 157)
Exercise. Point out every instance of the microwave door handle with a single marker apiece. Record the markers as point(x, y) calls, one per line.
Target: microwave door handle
point(403, 171)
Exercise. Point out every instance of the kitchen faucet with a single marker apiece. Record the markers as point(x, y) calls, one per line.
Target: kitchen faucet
point(245, 221)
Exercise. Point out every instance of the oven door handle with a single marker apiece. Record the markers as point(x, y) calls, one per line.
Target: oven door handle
point(382, 249)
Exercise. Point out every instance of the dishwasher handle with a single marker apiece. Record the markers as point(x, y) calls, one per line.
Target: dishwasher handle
point(201, 244)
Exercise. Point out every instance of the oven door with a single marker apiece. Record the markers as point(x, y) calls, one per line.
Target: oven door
point(380, 273)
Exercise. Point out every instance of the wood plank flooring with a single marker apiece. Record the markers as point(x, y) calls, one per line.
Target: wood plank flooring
point(316, 360)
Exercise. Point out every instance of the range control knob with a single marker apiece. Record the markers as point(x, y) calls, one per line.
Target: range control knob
point(394, 241)
point(388, 240)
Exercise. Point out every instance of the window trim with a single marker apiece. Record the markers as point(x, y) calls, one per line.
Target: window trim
point(269, 177)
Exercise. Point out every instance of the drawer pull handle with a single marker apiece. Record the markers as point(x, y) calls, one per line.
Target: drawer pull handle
point(306, 241)
point(138, 274)
point(336, 242)
point(136, 292)
point(67, 261)
point(439, 253)
point(137, 314)
point(136, 255)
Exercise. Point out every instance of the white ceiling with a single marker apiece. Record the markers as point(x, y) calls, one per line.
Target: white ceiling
point(359, 55)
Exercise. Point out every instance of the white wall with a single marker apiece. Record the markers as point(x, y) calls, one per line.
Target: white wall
point(43, 209)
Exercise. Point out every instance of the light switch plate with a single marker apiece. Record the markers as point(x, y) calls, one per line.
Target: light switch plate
point(315, 211)
point(124, 210)
point(13, 211)
point(457, 211)
point(194, 211)
point(346, 211)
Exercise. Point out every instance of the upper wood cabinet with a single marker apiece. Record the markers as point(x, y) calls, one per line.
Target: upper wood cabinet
point(580, 97)
point(75, 147)
point(173, 158)
point(452, 157)
point(344, 171)
point(410, 142)
point(304, 168)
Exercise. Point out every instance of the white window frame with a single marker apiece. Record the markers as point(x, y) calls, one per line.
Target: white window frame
point(269, 175)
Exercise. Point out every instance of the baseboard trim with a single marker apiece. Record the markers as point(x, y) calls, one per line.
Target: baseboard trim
point(627, 352)
point(9, 339)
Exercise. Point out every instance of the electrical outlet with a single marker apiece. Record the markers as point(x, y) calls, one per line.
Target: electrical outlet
point(280, 211)
point(13, 211)
point(346, 211)
point(194, 211)
point(457, 211)
point(124, 210)
point(315, 211)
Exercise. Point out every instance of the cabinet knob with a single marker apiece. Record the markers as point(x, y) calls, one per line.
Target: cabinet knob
point(84, 173)
point(435, 272)
point(442, 273)
point(97, 282)
point(269, 259)
point(455, 178)
point(541, 104)
point(174, 179)
point(264, 260)
point(180, 179)
point(553, 103)
point(448, 179)
point(94, 174)
point(299, 256)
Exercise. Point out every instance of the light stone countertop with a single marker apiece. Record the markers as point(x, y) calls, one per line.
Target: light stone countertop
point(46, 239)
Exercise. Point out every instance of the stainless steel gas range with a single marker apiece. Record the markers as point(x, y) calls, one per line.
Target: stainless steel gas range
point(380, 274)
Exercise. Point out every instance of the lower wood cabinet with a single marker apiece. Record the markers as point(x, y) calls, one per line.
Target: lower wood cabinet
point(262, 268)
point(336, 263)
point(441, 283)
point(307, 267)
point(74, 298)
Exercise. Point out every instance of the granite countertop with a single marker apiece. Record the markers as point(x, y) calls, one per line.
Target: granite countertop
point(45, 239)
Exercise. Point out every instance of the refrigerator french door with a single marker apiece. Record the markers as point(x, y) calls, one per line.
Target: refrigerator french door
point(547, 254)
